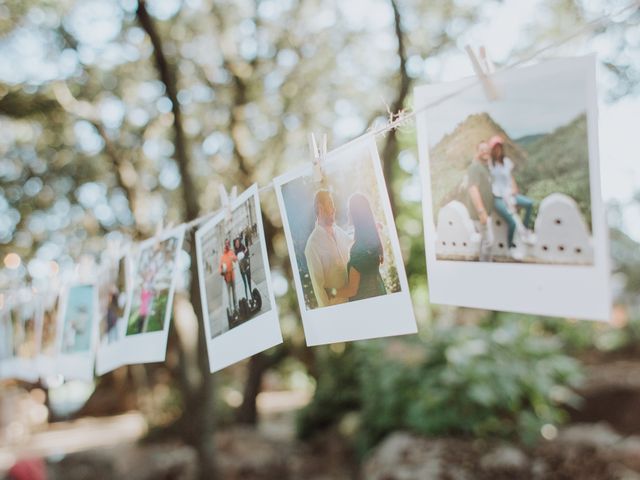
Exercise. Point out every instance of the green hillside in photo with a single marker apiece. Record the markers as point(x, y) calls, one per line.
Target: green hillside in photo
point(559, 162)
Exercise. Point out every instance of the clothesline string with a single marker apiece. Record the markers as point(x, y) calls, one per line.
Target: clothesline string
point(403, 118)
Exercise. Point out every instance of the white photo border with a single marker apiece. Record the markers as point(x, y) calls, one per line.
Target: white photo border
point(255, 335)
point(383, 316)
point(581, 292)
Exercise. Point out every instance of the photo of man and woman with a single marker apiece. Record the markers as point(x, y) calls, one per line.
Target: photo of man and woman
point(79, 318)
point(513, 213)
point(342, 238)
point(512, 187)
point(238, 307)
point(152, 283)
point(235, 275)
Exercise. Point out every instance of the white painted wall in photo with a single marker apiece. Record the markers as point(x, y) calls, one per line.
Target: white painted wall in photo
point(375, 317)
point(77, 365)
point(151, 346)
point(254, 335)
point(575, 291)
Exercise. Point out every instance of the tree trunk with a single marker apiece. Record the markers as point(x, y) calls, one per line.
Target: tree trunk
point(196, 426)
point(247, 413)
point(390, 151)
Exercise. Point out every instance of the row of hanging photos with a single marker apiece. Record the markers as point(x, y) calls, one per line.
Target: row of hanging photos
point(345, 255)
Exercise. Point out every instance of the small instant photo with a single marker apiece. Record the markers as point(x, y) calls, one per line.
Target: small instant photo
point(19, 350)
point(78, 332)
point(150, 305)
point(342, 240)
point(51, 324)
point(113, 295)
point(513, 214)
point(6, 344)
point(238, 305)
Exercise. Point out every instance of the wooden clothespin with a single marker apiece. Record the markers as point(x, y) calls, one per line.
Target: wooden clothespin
point(318, 156)
point(484, 71)
point(227, 199)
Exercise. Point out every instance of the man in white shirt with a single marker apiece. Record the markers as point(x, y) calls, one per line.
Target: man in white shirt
point(327, 252)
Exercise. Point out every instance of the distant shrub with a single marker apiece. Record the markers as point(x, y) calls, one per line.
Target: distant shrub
point(500, 379)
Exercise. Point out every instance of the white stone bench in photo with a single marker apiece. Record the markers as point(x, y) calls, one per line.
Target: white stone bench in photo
point(456, 235)
point(562, 234)
point(500, 229)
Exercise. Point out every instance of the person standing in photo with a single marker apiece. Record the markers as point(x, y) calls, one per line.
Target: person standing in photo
point(366, 255)
point(480, 198)
point(146, 296)
point(242, 253)
point(327, 252)
point(506, 193)
point(225, 269)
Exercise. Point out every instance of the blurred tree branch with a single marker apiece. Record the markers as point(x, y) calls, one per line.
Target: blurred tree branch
point(197, 420)
point(390, 151)
point(17, 104)
point(125, 174)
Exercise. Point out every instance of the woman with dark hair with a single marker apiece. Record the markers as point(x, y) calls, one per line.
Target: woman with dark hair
point(366, 255)
point(242, 253)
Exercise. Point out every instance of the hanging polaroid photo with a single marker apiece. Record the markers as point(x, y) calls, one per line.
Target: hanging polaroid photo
point(22, 349)
point(150, 305)
point(78, 332)
point(113, 292)
point(344, 249)
point(49, 346)
point(238, 306)
point(6, 343)
point(513, 214)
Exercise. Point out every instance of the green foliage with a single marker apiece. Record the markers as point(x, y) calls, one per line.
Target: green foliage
point(155, 320)
point(559, 162)
point(504, 378)
point(337, 390)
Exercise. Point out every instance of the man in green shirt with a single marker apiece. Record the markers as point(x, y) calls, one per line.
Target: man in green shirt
point(480, 198)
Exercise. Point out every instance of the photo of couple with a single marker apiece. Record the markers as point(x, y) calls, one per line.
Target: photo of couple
point(506, 186)
point(340, 234)
point(152, 285)
point(513, 212)
point(344, 268)
point(238, 306)
point(344, 248)
point(235, 279)
point(490, 191)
